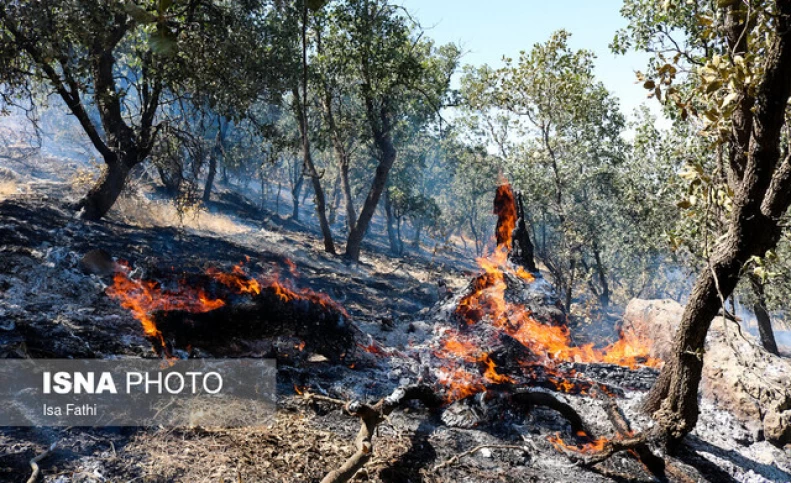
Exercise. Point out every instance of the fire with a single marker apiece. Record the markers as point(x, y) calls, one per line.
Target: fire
point(505, 209)
point(631, 351)
point(491, 372)
point(549, 345)
point(460, 383)
point(590, 447)
point(287, 292)
point(144, 297)
point(237, 280)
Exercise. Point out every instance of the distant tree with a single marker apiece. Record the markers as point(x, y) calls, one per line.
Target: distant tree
point(402, 79)
point(115, 63)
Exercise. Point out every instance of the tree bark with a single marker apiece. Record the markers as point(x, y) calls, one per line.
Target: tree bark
point(392, 236)
point(604, 295)
point(341, 151)
point(351, 213)
point(296, 190)
point(102, 196)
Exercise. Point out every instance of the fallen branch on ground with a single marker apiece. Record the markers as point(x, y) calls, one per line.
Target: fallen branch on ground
point(370, 416)
point(34, 463)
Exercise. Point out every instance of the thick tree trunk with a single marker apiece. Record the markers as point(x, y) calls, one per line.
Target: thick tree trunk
point(765, 332)
point(760, 201)
point(522, 250)
point(210, 177)
point(98, 201)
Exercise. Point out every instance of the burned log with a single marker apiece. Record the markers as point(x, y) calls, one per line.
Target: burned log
point(325, 328)
point(215, 310)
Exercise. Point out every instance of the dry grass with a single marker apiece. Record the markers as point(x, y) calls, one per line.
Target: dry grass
point(136, 209)
point(8, 188)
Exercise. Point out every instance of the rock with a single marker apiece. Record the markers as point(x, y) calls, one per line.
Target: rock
point(777, 427)
point(738, 374)
point(98, 262)
point(659, 319)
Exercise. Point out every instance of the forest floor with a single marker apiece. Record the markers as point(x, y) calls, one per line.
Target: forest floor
point(49, 308)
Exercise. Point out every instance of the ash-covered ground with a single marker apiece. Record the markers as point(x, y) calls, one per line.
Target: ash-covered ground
point(50, 308)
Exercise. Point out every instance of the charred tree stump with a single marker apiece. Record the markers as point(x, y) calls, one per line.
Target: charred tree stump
point(522, 250)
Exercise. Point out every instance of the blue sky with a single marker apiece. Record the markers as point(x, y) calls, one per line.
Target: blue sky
point(489, 30)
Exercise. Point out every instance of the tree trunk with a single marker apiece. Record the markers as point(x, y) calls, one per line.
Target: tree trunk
point(277, 198)
point(302, 111)
point(295, 193)
point(570, 286)
point(216, 152)
point(762, 316)
point(98, 201)
point(336, 199)
point(384, 142)
point(604, 295)
point(391, 230)
point(416, 241)
point(341, 150)
point(351, 214)
point(763, 196)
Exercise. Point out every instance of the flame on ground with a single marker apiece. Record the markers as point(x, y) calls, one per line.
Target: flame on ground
point(590, 447)
point(144, 297)
point(550, 345)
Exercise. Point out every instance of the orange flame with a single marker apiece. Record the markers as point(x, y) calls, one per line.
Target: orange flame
point(549, 344)
point(460, 383)
point(505, 209)
point(237, 280)
point(144, 297)
point(589, 447)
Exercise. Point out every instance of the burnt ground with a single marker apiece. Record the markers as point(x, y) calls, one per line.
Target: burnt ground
point(49, 308)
